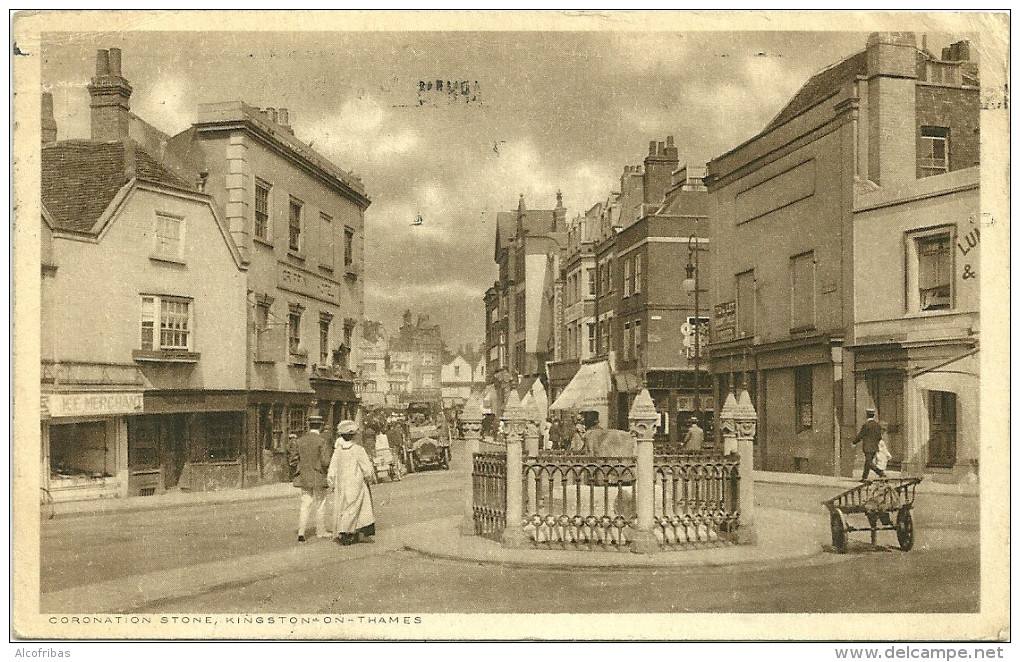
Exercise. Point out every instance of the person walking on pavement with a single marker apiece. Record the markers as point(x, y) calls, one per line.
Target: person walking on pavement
point(695, 436)
point(309, 455)
point(869, 438)
point(348, 475)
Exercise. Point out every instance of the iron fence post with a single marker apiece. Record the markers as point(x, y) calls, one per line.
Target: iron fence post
point(514, 423)
point(642, 420)
point(471, 419)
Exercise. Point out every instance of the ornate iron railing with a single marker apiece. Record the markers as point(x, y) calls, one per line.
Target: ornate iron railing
point(696, 500)
point(488, 476)
point(579, 500)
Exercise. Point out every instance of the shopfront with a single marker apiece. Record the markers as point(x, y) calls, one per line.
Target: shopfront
point(84, 444)
point(191, 441)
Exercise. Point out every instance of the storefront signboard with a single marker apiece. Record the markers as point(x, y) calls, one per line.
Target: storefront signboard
point(63, 405)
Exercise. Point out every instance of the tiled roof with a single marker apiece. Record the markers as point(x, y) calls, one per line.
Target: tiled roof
point(821, 85)
point(81, 177)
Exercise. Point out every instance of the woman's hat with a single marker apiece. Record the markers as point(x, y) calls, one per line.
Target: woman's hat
point(347, 427)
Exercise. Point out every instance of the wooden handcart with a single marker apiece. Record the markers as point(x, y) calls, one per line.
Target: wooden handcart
point(877, 500)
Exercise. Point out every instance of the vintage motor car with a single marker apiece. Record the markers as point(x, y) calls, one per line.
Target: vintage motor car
point(426, 446)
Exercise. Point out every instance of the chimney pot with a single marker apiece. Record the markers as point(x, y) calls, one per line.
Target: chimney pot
point(661, 149)
point(115, 61)
point(272, 113)
point(651, 148)
point(102, 62)
point(284, 117)
point(669, 141)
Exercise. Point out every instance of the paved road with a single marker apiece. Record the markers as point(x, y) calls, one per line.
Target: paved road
point(81, 551)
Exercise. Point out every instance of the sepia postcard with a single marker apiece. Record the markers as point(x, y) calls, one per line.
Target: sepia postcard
point(544, 325)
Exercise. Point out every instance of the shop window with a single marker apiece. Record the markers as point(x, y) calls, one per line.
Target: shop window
point(80, 450)
point(803, 388)
point(175, 327)
point(294, 216)
point(297, 420)
point(941, 429)
point(934, 271)
point(745, 304)
point(262, 210)
point(222, 437)
point(933, 151)
point(802, 291)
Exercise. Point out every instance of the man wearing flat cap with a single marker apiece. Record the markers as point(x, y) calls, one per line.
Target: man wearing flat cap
point(348, 475)
point(309, 457)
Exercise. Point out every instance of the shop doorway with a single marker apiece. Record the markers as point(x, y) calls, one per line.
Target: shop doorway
point(886, 391)
point(175, 449)
point(941, 429)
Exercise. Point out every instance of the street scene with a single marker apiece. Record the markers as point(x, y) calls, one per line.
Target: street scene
point(408, 323)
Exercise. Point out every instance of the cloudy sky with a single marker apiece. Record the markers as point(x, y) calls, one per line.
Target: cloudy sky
point(563, 110)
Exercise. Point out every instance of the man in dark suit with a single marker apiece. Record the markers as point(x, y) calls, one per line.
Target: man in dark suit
point(310, 454)
point(870, 435)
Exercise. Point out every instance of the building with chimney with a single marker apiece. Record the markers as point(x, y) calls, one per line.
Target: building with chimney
point(636, 244)
point(520, 315)
point(297, 223)
point(142, 316)
point(840, 235)
point(417, 351)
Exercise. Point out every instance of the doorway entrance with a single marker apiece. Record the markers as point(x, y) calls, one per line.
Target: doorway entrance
point(941, 429)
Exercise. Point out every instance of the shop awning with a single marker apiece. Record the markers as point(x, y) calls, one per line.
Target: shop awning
point(628, 382)
point(588, 390)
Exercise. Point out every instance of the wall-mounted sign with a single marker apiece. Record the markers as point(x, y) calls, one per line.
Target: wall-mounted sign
point(295, 280)
point(93, 404)
point(725, 321)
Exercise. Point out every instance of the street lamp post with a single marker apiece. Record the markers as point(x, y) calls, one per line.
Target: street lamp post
point(692, 284)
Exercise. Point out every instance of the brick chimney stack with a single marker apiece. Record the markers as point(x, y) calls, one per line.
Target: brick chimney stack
point(662, 160)
point(49, 122)
point(892, 74)
point(111, 96)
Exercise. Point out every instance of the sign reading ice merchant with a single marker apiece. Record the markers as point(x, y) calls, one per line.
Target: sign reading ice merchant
point(94, 404)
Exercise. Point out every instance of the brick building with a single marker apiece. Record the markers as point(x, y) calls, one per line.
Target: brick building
point(788, 210)
point(520, 315)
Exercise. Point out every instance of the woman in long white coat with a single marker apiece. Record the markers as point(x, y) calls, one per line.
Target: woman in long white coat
point(350, 469)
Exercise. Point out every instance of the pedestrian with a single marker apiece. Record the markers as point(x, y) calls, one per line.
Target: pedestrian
point(310, 455)
point(348, 475)
point(577, 445)
point(695, 436)
point(869, 438)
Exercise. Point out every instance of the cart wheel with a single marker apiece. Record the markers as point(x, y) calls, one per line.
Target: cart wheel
point(905, 529)
point(838, 525)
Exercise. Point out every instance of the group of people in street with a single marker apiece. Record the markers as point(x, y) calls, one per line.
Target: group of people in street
point(338, 473)
point(571, 433)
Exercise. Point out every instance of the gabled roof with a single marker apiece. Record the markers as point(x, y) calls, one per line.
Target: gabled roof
point(80, 178)
point(821, 85)
point(536, 222)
